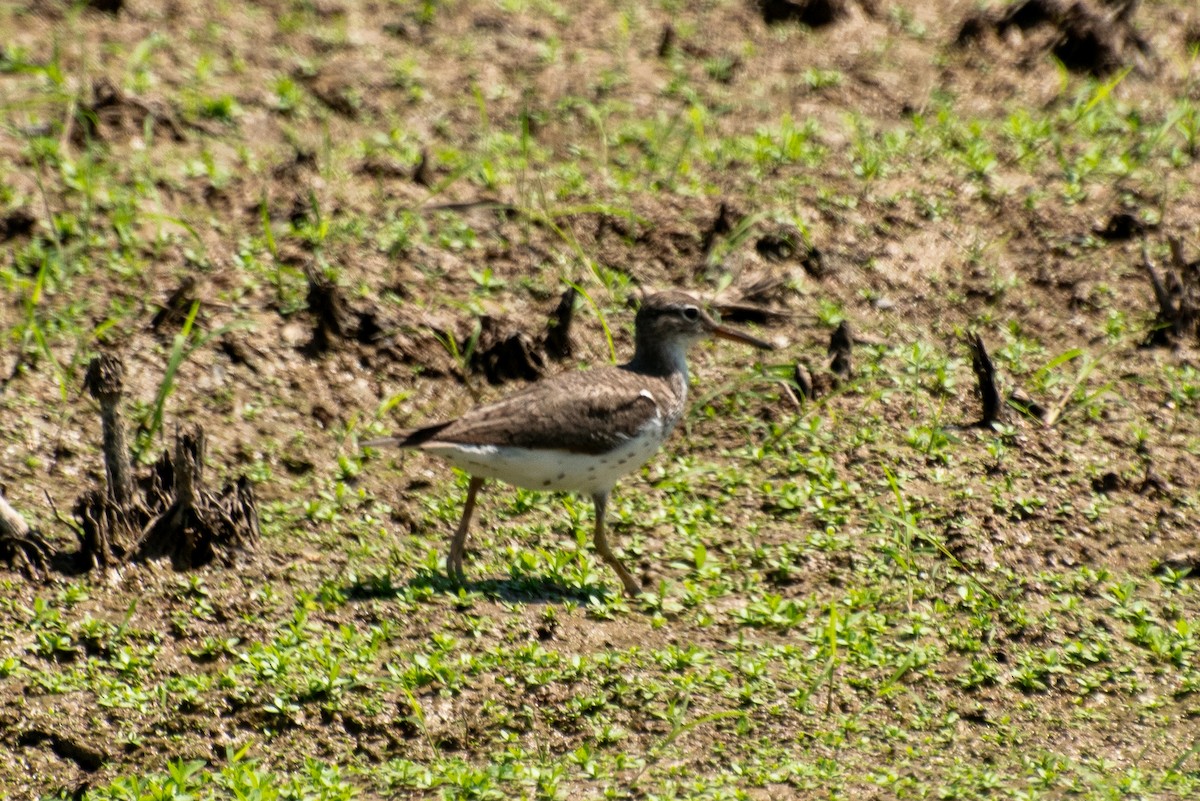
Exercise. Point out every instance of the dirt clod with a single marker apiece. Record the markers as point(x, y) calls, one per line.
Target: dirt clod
point(1178, 295)
point(423, 173)
point(170, 318)
point(17, 222)
point(721, 225)
point(973, 28)
point(1180, 561)
point(107, 6)
point(504, 353)
point(1031, 13)
point(813, 262)
point(1087, 43)
point(557, 341)
point(111, 114)
point(841, 343)
point(332, 320)
point(780, 243)
point(666, 41)
point(1083, 37)
point(1120, 227)
point(1107, 483)
point(813, 13)
point(85, 755)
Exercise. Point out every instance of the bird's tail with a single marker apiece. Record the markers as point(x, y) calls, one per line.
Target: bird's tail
point(382, 442)
point(406, 439)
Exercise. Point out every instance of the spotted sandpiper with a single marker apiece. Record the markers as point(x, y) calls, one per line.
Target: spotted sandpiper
point(579, 431)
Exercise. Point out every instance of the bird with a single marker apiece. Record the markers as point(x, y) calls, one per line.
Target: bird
point(578, 431)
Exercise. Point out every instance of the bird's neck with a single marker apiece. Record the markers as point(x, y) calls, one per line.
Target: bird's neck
point(664, 360)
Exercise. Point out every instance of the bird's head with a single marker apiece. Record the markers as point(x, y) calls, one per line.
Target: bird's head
point(669, 318)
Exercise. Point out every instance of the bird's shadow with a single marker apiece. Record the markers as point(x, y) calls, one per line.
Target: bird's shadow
point(523, 589)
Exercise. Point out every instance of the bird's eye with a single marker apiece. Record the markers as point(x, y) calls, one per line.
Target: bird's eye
point(691, 313)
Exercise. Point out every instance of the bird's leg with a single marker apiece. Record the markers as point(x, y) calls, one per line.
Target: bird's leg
point(454, 568)
point(600, 499)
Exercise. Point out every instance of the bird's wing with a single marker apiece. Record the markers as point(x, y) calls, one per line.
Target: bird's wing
point(581, 412)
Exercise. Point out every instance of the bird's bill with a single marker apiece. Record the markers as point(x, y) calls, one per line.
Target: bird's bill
point(732, 334)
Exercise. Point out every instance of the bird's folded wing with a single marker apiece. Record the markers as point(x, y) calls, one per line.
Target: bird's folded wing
point(583, 412)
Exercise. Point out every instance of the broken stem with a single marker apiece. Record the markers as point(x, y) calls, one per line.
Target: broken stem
point(20, 544)
point(985, 374)
point(104, 383)
point(11, 523)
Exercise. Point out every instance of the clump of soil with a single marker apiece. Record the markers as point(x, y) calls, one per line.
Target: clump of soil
point(332, 318)
point(1178, 295)
point(504, 353)
point(111, 115)
point(15, 223)
point(170, 318)
point(813, 13)
point(557, 341)
point(1081, 35)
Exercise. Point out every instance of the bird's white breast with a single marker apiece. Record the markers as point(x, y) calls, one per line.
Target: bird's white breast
point(557, 470)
